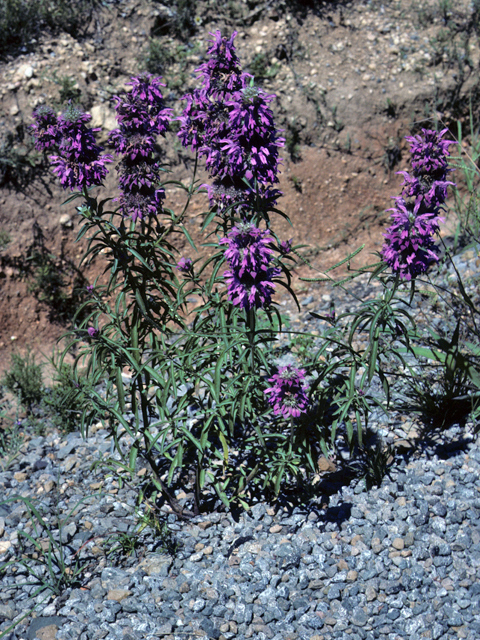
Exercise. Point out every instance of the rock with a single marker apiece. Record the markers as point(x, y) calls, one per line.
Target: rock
point(7, 612)
point(103, 117)
point(24, 72)
point(276, 528)
point(118, 594)
point(66, 221)
point(157, 565)
point(45, 628)
point(325, 465)
point(398, 544)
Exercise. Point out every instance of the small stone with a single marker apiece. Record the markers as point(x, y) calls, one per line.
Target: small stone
point(398, 544)
point(157, 565)
point(276, 528)
point(352, 575)
point(359, 618)
point(208, 551)
point(70, 463)
point(2, 527)
point(370, 593)
point(20, 476)
point(14, 110)
point(65, 221)
point(164, 629)
point(118, 594)
point(7, 612)
point(325, 465)
point(5, 546)
point(184, 587)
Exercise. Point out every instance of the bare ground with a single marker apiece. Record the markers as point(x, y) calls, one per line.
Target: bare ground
point(351, 81)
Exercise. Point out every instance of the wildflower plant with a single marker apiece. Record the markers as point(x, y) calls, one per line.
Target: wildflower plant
point(178, 350)
point(181, 385)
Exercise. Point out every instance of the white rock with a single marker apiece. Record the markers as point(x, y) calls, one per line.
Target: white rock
point(103, 117)
point(65, 221)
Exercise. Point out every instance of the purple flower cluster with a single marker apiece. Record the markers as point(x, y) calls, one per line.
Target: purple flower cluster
point(228, 121)
point(249, 279)
point(141, 116)
point(288, 392)
point(79, 163)
point(184, 265)
point(410, 247)
point(45, 129)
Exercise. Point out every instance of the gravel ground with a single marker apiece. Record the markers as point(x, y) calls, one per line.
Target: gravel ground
point(401, 561)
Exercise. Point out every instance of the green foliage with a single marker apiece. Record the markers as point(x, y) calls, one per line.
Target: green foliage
point(11, 435)
point(48, 568)
point(302, 346)
point(467, 206)
point(22, 21)
point(379, 458)
point(292, 140)
point(149, 519)
point(448, 389)
point(158, 57)
point(69, 90)
point(178, 20)
point(55, 282)
point(65, 402)
point(24, 379)
point(261, 68)
point(162, 55)
point(5, 239)
point(392, 155)
point(18, 159)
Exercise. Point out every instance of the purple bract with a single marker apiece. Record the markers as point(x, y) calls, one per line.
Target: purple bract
point(184, 265)
point(141, 116)
point(410, 247)
point(229, 122)
point(288, 392)
point(250, 276)
point(79, 163)
point(45, 129)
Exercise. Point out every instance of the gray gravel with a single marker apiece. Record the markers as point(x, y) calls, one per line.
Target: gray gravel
point(401, 561)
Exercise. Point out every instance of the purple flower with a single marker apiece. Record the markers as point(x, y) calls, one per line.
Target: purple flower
point(250, 293)
point(249, 279)
point(229, 122)
point(90, 288)
point(79, 163)
point(286, 246)
point(410, 247)
point(141, 116)
point(93, 332)
point(288, 392)
point(429, 152)
point(184, 265)
point(45, 129)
